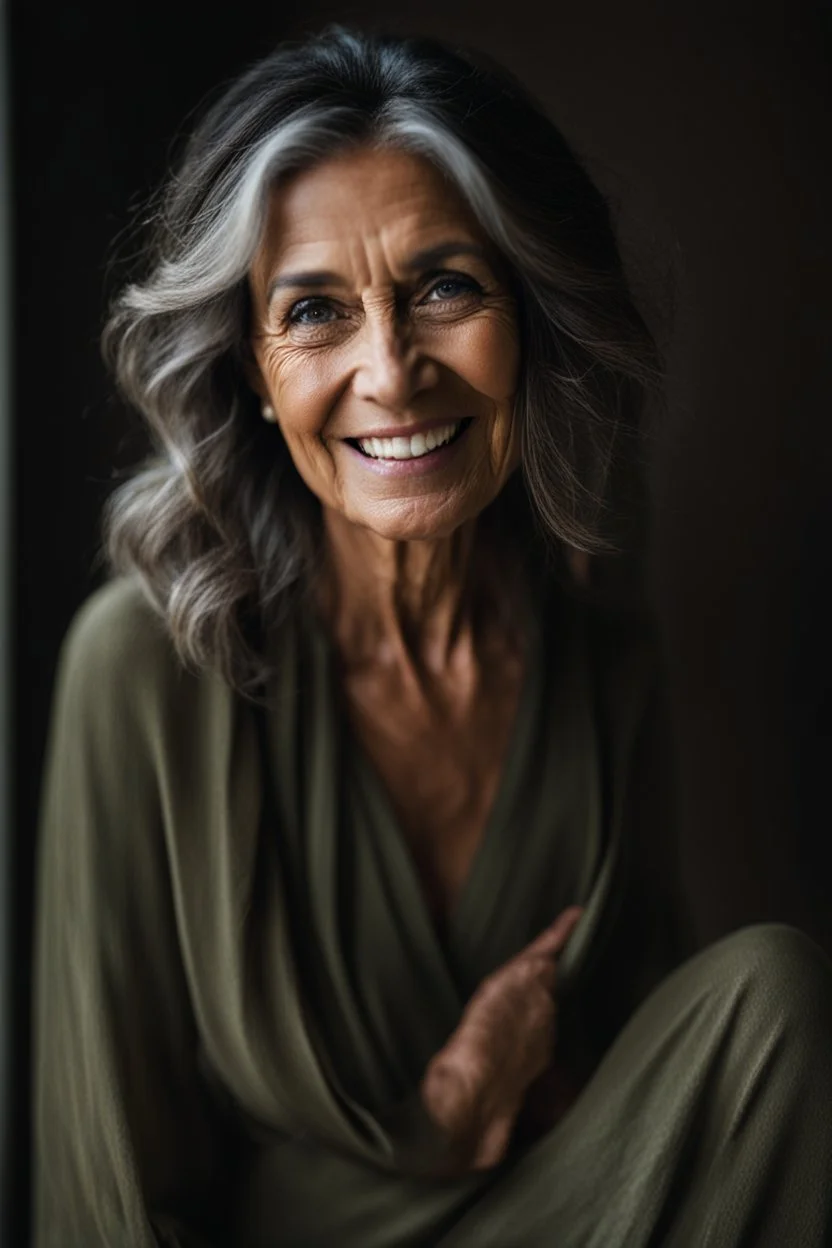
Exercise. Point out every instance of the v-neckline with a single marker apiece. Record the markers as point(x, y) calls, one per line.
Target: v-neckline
point(444, 944)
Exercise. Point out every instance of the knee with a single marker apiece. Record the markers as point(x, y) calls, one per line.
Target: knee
point(778, 971)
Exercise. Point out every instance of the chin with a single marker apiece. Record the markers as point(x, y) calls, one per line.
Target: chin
point(424, 527)
point(412, 533)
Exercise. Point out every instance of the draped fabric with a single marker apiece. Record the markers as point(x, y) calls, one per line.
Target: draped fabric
point(374, 970)
point(238, 984)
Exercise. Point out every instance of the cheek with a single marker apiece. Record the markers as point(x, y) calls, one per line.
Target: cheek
point(487, 356)
point(490, 363)
point(302, 386)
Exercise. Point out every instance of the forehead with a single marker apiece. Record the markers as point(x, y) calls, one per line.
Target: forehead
point(385, 196)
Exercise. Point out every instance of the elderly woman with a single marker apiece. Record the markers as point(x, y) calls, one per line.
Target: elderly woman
point(358, 916)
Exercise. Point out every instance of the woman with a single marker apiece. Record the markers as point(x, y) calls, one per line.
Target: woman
point(357, 920)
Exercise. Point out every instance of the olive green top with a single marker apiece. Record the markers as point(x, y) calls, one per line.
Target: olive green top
point(238, 982)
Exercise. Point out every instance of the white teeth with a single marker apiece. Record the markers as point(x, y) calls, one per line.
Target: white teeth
point(408, 448)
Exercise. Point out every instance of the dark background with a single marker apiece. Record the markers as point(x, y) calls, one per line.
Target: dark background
point(708, 127)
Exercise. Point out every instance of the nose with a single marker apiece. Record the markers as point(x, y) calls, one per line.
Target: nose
point(391, 368)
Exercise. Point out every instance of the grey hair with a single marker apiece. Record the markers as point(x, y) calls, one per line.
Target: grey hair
point(217, 524)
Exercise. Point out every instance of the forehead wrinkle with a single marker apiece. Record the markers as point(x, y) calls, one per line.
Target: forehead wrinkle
point(368, 180)
point(393, 237)
point(397, 250)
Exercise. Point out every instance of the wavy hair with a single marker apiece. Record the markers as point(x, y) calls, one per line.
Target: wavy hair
point(216, 523)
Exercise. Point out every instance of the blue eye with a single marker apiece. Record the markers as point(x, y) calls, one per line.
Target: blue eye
point(455, 286)
point(310, 308)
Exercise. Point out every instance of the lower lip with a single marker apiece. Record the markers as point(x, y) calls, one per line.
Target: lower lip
point(419, 467)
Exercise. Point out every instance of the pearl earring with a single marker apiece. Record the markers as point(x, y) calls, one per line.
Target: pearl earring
point(268, 412)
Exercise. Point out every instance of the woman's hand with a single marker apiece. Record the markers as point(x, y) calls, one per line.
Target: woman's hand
point(475, 1086)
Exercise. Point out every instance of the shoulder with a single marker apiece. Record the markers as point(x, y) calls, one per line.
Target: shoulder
point(115, 622)
point(117, 652)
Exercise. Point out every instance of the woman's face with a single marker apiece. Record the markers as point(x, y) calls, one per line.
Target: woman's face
point(385, 337)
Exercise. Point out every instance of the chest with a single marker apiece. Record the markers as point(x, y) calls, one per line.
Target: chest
point(440, 761)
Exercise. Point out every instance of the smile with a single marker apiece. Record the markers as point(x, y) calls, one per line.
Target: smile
point(414, 447)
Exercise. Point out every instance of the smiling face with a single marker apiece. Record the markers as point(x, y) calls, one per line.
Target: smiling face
point(385, 338)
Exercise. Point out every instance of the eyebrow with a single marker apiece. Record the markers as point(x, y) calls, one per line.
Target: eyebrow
point(428, 258)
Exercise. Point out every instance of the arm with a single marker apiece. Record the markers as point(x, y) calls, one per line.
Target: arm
point(128, 1150)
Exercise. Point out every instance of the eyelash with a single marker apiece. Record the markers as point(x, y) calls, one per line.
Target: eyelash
point(319, 301)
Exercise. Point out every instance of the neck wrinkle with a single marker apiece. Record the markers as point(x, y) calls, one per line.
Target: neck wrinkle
point(408, 603)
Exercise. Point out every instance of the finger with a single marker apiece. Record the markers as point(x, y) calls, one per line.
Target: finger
point(493, 1145)
point(447, 1095)
point(552, 940)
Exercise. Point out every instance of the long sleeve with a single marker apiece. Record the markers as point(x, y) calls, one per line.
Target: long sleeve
point(129, 1149)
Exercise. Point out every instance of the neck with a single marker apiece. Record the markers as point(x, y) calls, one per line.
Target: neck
point(410, 604)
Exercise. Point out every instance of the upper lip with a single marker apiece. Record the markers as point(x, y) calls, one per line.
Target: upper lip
point(404, 431)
